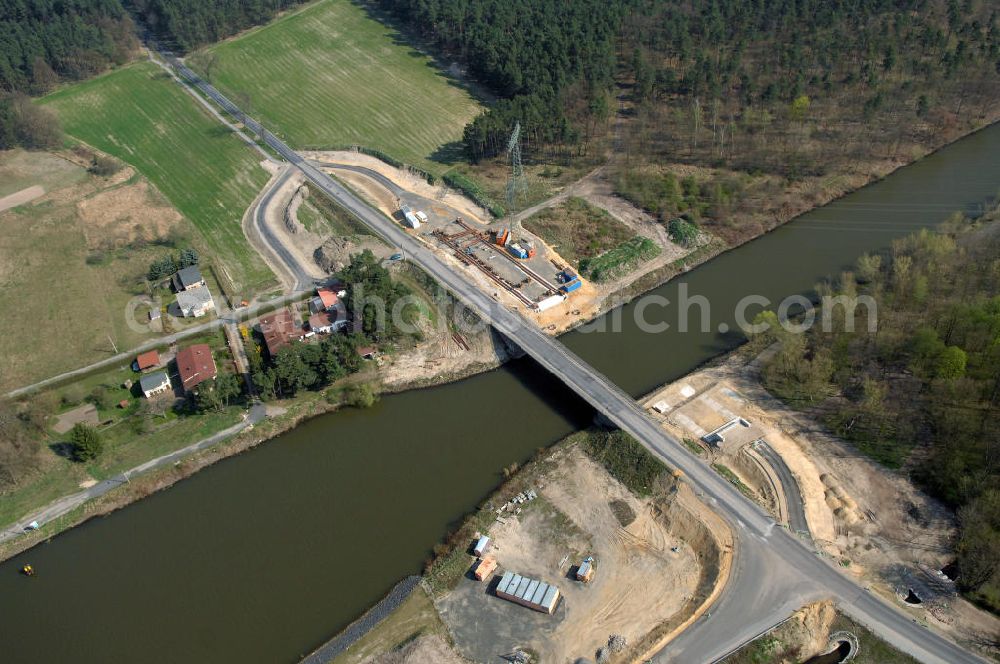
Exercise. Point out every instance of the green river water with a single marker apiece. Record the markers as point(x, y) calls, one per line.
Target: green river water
point(262, 557)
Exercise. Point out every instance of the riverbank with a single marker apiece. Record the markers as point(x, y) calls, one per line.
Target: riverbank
point(415, 369)
point(435, 453)
point(451, 364)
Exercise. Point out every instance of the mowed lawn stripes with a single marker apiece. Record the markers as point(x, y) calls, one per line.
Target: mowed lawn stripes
point(143, 117)
point(330, 76)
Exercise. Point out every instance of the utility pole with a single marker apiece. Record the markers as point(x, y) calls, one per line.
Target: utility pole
point(517, 187)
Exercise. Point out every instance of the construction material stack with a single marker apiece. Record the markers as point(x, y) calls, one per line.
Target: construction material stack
point(531, 593)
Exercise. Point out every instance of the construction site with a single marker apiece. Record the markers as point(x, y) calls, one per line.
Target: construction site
point(519, 269)
point(894, 539)
point(580, 568)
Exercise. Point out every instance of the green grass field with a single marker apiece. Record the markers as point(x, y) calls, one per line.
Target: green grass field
point(140, 115)
point(330, 76)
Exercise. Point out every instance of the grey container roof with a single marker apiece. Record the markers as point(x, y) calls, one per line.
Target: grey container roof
point(540, 592)
point(529, 592)
point(505, 581)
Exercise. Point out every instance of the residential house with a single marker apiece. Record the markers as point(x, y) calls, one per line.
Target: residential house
point(325, 300)
point(155, 383)
point(146, 360)
point(326, 322)
point(195, 365)
point(195, 303)
point(279, 330)
point(188, 278)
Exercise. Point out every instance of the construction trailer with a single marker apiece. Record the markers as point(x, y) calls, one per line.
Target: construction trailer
point(484, 567)
point(503, 235)
point(409, 217)
point(481, 545)
point(534, 594)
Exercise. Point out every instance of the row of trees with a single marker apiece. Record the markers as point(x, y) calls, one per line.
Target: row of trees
point(923, 390)
point(169, 264)
point(42, 43)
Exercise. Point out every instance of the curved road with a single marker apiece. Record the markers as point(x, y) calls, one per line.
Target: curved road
point(301, 277)
point(793, 495)
point(778, 569)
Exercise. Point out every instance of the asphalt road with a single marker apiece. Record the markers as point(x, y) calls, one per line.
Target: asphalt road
point(779, 570)
point(303, 280)
point(793, 496)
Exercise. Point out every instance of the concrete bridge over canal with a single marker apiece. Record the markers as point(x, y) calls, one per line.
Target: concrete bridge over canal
point(774, 572)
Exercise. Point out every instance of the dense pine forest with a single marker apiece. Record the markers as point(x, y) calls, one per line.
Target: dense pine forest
point(188, 24)
point(803, 88)
point(43, 42)
point(921, 391)
point(790, 88)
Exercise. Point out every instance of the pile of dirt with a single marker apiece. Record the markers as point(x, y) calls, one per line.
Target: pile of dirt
point(335, 253)
point(622, 511)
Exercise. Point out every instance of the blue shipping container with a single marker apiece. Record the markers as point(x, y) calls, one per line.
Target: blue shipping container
point(571, 286)
point(515, 250)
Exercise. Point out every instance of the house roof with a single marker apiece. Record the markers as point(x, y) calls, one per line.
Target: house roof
point(279, 330)
point(322, 319)
point(195, 365)
point(152, 381)
point(365, 351)
point(194, 299)
point(148, 359)
point(189, 276)
point(327, 296)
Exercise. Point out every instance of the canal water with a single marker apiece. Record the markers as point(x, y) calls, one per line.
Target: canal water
point(262, 557)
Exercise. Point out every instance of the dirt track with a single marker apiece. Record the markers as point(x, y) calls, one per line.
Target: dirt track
point(21, 197)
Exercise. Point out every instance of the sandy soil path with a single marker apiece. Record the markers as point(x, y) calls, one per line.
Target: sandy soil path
point(21, 197)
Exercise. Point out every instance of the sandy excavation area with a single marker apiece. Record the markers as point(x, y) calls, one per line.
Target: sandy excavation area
point(406, 180)
point(889, 535)
point(645, 572)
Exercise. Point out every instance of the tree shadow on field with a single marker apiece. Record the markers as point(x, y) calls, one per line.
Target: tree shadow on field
point(63, 449)
point(449, 154)
point(218, 131)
